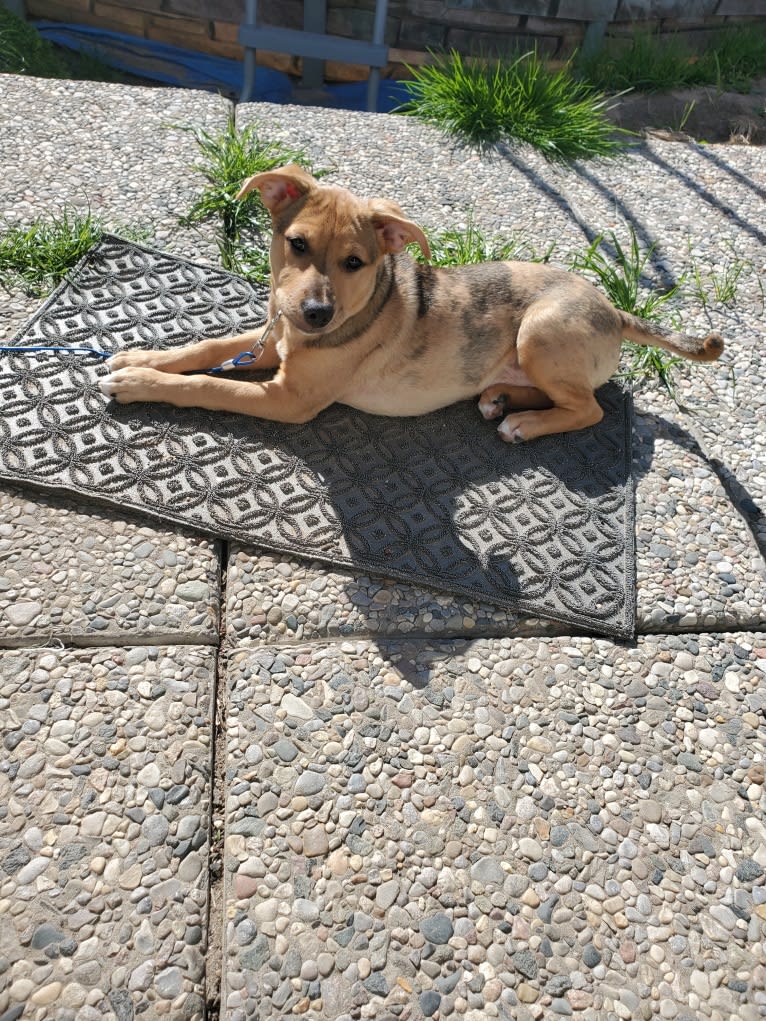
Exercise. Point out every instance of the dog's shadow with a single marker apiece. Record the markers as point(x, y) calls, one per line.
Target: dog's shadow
point(416, 661)
point(437, 502)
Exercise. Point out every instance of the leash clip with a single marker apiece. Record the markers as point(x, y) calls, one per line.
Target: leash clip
point(246, 359)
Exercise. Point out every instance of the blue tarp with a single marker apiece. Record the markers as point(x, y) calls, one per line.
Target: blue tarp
point(173, 65)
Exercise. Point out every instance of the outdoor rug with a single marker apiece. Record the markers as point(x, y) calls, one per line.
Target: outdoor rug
point(544, 529)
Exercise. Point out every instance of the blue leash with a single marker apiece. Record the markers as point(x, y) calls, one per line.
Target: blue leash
point(241, 361)
point(39, 348)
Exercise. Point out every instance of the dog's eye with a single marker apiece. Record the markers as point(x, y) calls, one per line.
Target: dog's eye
point(298, 244)
point(353, 263)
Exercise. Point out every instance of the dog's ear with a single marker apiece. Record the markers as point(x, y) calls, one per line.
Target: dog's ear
point(394, 230)
point(279, 188)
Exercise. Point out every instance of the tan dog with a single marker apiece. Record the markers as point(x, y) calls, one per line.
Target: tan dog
point(362, 323)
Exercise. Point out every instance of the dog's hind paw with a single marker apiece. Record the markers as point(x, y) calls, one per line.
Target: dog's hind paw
point(493, 406)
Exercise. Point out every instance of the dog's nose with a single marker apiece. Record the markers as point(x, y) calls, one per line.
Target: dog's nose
point(317, 313)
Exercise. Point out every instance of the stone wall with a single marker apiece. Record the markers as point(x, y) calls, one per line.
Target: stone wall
point(413, 27)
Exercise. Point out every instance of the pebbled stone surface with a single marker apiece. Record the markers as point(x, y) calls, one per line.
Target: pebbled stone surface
point(104, 801)
point(498, 828)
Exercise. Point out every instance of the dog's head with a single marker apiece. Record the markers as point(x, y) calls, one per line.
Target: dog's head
point(327, 246)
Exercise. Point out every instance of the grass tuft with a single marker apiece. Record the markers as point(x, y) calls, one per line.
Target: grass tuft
point(718, 286)
point(39, 255)
point(251, 262)
point(229, 157)
point(472, 245)
point(648, 63)
point(517, 101)
point(620, 278)
point(24, 51)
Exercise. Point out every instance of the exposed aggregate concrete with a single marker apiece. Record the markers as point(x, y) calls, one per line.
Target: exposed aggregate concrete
point(417, 825)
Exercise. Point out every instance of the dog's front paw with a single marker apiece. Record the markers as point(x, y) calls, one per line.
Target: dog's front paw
point(125, 358)
point(133, 383)
point(160, 360)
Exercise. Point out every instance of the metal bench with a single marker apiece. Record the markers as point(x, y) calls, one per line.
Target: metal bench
point(313, 45)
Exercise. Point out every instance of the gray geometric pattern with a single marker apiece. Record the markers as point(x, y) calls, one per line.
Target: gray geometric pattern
point(545, 528)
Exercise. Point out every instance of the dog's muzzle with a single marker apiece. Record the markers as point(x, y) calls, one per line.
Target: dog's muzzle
point(317, 314)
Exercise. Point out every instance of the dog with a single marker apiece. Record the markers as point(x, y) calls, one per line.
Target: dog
point(353, 318)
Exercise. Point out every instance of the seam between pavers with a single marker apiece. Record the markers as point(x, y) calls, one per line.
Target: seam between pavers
point(216, 901)
point(61, 643)
point(231, 645)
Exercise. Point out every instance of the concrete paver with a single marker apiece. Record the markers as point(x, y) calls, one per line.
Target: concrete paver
point(104, 799)
point(93, 577)
point(122, 153)
point(496, 829)
point(698, 565)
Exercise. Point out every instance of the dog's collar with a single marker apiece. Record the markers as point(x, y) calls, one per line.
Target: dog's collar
point(363, 320)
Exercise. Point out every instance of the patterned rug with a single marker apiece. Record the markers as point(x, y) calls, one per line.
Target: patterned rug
point(544, 528)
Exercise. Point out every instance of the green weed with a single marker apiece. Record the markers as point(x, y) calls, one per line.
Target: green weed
point(251, 262)
point(229, 157)
point(718, 287)
point(472, 245)
point(688, 111)
point(39, 255)
point(517, 101)
point(620, 278)
point(646, 363)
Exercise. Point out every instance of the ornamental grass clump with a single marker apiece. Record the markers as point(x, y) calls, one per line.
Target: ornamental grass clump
point(484, 103)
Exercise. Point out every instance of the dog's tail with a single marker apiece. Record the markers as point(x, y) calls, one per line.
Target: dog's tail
point(641, 331)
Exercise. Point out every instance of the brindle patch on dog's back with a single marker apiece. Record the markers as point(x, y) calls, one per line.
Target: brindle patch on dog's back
point(425, 281)
point(490, 287)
